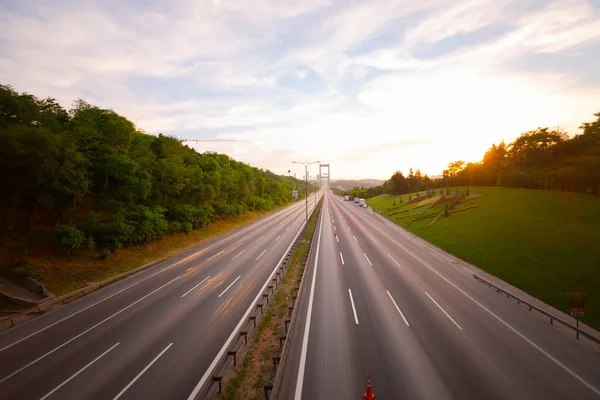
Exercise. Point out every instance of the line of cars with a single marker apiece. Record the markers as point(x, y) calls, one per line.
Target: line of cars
point(360, 202)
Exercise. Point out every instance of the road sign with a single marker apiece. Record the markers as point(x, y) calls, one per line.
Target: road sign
point(577, 303)
point(295, 194)
point(576, 299)
point(577, 314)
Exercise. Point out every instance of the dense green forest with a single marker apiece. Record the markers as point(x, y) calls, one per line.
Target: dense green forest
point(134, 187)
point(541, 159)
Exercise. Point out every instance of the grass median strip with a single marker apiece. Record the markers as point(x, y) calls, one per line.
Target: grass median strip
point(256, 369)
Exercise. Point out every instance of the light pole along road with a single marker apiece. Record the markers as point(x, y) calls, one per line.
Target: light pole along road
point(306, 164)
point(380, 302)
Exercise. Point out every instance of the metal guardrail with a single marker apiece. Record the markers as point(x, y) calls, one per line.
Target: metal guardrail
point(238, 347)
point(532, 307)
point(63, 299)
point(11, 320)
point(291, 320)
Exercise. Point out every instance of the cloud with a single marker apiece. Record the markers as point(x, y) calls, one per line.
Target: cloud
point(370, 87)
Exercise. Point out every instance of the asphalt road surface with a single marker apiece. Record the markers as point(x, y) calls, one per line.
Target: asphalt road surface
point(155, 334)
point(380, 305)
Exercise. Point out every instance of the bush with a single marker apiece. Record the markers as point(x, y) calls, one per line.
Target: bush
point(186, 227)
point(90, 243)
point(105, 253)
point(69, 237)
point(259, 204)
point(112, 234)
point(148, 223)
point(196, 216)
point(225, 210)
point(24, 269)
point(175, 226)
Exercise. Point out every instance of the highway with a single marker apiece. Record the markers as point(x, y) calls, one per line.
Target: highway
point(154, 335)
point(380, 304)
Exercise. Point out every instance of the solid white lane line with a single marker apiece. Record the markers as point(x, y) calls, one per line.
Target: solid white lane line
point(509, 326)
point(241, 252)
point(353, 308)
point(78, 372)
point(245, 237)
point(261, 254)
point(234, 333)
point(336, 238)
point(397, 308)
point(368, 259)
point(503, 322)
point(374, 239)
point(342, 257)
point(216, 255)
point(444, 311)
point(278, 238)
point(311, 298)
point(230, 285)
point(258, 240)
point(395, 262)
point(87, 330)
point(142, 372)
point(204, 280)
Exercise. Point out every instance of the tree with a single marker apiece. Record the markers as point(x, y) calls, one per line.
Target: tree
point(398, 183)
point(70, 237)
point(51, 160)
point(495, 158)
point(455, 167)
point(534, 147)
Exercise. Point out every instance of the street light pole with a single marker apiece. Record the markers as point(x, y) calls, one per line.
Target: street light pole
point(306, 164)
point(316, 191)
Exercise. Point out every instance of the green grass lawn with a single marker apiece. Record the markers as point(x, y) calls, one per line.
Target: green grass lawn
point(545, 243)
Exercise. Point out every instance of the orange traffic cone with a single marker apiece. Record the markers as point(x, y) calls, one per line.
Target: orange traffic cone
point(369, 395)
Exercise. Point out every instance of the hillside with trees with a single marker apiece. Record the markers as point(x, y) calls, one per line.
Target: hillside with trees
point(100, 182)
point(541, 159)
point(346, 184)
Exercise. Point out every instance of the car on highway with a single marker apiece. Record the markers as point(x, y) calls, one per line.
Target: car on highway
point(361, 202)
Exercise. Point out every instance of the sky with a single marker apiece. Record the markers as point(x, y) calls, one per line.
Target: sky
point(369, 87)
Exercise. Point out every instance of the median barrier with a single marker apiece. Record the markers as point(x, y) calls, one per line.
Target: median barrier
point(238, 347)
